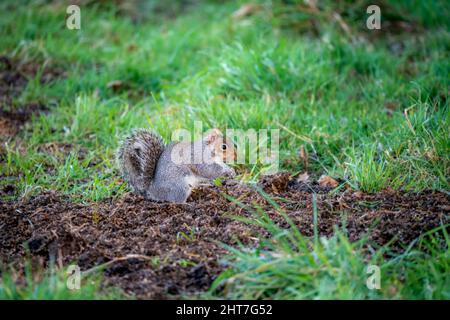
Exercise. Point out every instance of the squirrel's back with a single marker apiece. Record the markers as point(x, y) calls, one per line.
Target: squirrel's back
point(138, 156)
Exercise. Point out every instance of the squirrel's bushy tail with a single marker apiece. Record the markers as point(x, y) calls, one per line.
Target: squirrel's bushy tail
point(137, 157)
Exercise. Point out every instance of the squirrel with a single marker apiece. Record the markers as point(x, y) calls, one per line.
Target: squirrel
point(168, 173)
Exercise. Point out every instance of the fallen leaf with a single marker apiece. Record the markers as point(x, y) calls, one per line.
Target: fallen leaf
point(303, 154)
point(388, 190)
point(246, 10)
point(279, 182)
point(358, 194)
point(327, 181)
point(132, 47)
point(116, 85)
point(303, 178)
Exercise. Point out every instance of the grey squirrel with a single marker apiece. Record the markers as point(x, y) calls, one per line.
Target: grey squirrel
point(163, 172)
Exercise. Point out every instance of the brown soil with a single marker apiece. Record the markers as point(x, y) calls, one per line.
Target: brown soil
point(14, 77)
point(179, 244)
point(11, 122)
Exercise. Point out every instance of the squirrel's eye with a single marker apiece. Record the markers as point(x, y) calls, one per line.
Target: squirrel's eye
point(224, 147)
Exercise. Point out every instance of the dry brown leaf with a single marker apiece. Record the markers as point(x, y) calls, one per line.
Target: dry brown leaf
point(327, 181)
point(246, 10)
point(303, 154)
point(303, 178)
point(115, 84)
point(358, 194)
point(132, 47)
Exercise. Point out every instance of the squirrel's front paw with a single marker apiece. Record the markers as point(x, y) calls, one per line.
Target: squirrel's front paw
point(230, 173)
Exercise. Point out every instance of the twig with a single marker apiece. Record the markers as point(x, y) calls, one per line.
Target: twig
point(343, 24)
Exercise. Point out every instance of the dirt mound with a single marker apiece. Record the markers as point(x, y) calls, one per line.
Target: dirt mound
point(176, 247)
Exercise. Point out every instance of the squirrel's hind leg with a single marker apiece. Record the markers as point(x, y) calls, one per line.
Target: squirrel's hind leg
point(175, 194)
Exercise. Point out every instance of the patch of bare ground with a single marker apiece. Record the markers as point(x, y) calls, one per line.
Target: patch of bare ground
point(11, 122)
point(14, 77)
point(177, 246)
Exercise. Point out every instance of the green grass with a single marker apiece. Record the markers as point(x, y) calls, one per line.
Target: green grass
point(52, 285)
point(288, 265)
point(365, 112)
point(329, 90)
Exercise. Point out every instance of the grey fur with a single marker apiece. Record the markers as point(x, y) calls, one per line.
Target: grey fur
point(149, 166)
point(138, 156)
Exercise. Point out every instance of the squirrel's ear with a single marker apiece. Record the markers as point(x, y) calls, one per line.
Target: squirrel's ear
point(213, 135)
